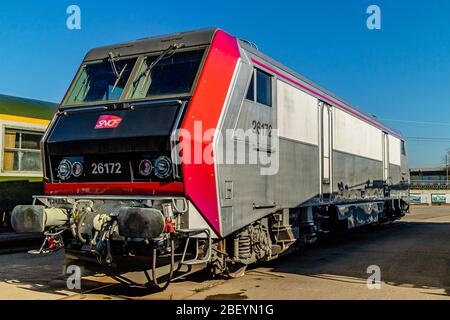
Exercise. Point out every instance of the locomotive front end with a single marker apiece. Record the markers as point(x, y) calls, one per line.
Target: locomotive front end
point(114, 186)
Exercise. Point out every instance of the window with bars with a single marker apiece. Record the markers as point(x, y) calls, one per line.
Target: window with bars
point(21, 151)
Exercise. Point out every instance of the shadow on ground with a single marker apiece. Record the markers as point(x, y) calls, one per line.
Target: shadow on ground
point(410, 254)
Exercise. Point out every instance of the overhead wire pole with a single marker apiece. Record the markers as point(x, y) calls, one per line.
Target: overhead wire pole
point(446, 166)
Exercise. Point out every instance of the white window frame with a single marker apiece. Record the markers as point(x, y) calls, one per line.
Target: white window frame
point(12, 125)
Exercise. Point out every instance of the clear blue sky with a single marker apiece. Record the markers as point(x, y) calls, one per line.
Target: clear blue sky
point(401, 72)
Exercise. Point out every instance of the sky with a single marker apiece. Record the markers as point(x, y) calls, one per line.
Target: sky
point(400, 73)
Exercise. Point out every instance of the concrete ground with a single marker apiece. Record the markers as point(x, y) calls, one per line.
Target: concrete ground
point(413, 256)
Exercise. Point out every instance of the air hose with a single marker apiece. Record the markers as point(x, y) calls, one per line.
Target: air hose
point(154, 279)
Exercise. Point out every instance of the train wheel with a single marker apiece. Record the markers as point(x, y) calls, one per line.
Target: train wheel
point(236, 270)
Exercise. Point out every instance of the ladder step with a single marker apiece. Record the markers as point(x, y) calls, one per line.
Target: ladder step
point(192, 232)
point(194, 262)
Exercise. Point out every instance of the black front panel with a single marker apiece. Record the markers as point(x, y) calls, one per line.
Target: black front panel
point(110, 168)
point(110, 144)
point(149, 122)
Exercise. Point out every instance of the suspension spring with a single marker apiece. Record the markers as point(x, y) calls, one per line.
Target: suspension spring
point(244, 247)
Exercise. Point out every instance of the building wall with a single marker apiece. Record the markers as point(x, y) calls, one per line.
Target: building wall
point(430, 197)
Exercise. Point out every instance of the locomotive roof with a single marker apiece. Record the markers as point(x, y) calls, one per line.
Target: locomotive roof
point(29, 108)
point(158, 43)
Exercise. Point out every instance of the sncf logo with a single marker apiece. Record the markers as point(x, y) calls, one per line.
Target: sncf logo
point(108, 122)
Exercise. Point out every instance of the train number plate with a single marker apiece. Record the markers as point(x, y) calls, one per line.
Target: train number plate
point(106, 168)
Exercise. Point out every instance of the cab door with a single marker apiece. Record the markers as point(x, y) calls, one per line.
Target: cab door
point(386, 173)
point(325, 150)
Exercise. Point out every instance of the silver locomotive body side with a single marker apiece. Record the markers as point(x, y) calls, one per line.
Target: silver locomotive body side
point(328, 154)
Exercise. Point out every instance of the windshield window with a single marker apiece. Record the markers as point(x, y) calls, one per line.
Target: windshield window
point(100, 82)
point(171, 75)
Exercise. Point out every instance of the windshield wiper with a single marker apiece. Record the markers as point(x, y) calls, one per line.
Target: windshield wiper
point(118, 74)
point(165, 54)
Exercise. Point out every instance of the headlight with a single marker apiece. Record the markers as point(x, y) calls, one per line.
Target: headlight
point(77, 169)
point(163, 167)
point(145, 168)
point(64, 169)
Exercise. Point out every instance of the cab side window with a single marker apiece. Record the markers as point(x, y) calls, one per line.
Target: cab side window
point(260, 91)
point(263, 88)
point(251, 89)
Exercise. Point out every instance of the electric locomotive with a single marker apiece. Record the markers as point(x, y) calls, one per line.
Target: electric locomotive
point(196, 148)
